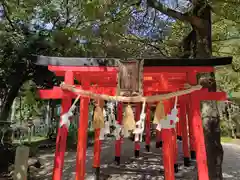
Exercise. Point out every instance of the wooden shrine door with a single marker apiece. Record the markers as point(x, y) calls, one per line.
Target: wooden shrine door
point(130, 78)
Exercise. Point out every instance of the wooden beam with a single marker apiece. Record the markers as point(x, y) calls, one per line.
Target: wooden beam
point(82, 69)
point(73, 61)
point(213, 61)
point(57, 92)
point(204, 94)
point(176, 69)
point(147, 70)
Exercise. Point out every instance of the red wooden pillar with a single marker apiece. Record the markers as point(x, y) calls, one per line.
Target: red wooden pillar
point(159, 140)
point(174, 143)
point(175, 149)
point(137, 117)
point(179, 137)
point(62, 132)
point(168, 156)
point(148, 128)
point(192, 79)
point(97, 150)
point(178, 128)
point(198, 135)
point(118, 142)
point(82, 134)
point(190, 128)
point(182, 117)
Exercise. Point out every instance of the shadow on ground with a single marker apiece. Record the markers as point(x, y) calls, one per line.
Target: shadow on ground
point(148, 166)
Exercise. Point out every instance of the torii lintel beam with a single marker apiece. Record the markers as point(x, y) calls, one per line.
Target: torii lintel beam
point(104, 69)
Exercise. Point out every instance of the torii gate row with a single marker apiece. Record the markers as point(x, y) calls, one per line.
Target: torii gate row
point(151, 66)
point(195, 98)
point(151, 85)
point(58, 94)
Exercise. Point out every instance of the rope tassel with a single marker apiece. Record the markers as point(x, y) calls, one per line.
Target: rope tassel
point(106, 127)
point(128, 120)
point(159, 113)
point(140, 125)
point(65, 118)
point(171, 119)
point(118, 132)
point(98, 118)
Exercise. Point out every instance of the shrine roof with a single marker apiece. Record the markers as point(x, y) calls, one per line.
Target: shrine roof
point(75, 61)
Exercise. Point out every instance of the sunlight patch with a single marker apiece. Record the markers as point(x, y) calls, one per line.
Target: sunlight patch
point(225, 175)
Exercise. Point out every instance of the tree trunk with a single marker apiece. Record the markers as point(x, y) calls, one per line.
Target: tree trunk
point(211, 124)
point(201, 47)
point(15, 81)
point(210, 115)
point(230, 122)
point(13, 110)
point(10, 96)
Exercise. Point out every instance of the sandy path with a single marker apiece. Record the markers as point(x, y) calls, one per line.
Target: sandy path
point(147, 167)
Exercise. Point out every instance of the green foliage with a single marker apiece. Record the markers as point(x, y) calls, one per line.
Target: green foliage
point(54, 28)
point(28, 104)
point(225, 41)
point(225, 131)
point(226, 139)
point(226, 35)
point(72, 134)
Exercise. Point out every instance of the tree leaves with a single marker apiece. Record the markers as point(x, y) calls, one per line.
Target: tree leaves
point(110, 28)
point(56, 28)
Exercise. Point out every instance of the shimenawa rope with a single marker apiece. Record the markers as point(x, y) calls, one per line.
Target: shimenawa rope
point(134, 99)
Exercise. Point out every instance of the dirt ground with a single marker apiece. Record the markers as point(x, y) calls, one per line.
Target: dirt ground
point(148, 166)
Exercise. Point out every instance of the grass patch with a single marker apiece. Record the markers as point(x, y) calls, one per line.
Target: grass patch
point(91, 134)
point(34, 139)
point(37, 139)
point(226, 139)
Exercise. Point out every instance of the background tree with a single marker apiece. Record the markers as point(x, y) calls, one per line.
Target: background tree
point(198, 43)
point(60, 28)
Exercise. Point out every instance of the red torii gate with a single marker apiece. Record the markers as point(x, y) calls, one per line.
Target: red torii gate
point(107, 85)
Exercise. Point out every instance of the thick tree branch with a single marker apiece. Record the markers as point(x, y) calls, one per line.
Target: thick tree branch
point(189, 45)
point(194, 20)
point(55, 22)
point(6, 11)
point(67, 13)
